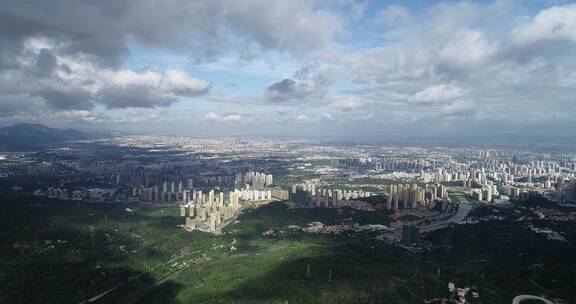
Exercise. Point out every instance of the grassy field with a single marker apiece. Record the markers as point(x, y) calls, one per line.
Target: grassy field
point(274, 269)
point(61, 252)
point(54, 251)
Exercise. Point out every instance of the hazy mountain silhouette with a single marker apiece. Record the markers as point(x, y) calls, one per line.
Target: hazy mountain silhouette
point(25, 136)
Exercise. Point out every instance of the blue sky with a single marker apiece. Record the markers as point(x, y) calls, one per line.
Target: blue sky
point(291, 68)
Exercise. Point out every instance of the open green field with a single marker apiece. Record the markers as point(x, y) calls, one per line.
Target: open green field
point(56, 251)
point(61, 252)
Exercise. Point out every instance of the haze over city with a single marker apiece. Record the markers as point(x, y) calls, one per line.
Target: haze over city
point(333, 69)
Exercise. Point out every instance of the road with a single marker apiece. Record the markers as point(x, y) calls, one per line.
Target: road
point(463, 210)
point(520, 298)
point(103, 294)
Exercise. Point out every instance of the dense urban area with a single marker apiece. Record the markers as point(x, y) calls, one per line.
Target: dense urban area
point(153, 219)
point(288, 152)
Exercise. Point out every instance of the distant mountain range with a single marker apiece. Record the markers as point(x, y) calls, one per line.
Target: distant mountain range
point(25, 136)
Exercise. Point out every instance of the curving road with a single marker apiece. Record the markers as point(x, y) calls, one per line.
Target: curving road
point(520, 298)
point(463, 210)
point(461, 213)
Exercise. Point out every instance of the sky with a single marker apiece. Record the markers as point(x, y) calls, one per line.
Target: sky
point(297, 68)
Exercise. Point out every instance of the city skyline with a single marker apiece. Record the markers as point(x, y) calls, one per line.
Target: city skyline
point(311, 69)
point(287, 151)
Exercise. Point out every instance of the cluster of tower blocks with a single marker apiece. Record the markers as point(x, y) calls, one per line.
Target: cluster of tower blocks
point(209, 214)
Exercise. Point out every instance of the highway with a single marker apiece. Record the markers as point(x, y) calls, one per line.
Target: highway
point(520, 298)
point(463, 210)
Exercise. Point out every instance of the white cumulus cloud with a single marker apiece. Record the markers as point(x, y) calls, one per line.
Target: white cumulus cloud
point(555, 23)
point(442, 93)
